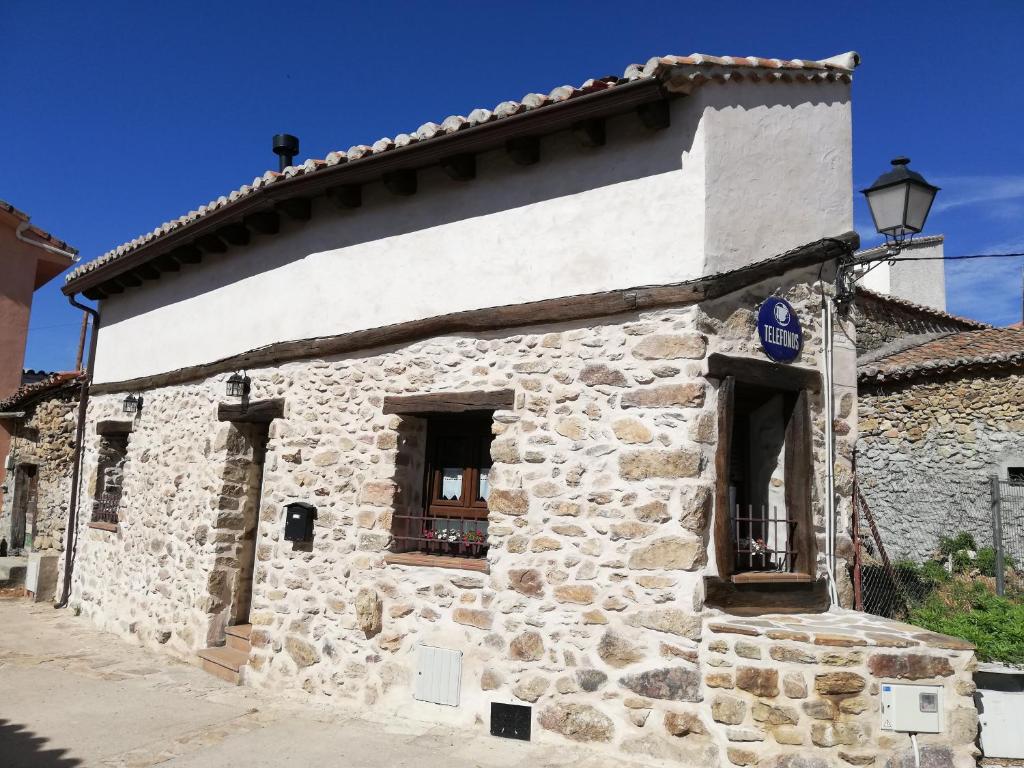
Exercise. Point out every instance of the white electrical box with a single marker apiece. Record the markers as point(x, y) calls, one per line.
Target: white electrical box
point(438, 675)
point(911, 708)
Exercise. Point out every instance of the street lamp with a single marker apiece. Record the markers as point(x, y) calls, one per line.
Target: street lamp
point(238, 385)
point(900, 201)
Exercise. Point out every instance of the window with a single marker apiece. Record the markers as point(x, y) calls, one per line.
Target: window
point(1015, 475)
point(764, 526)
point(113, 450)
point(452, 519)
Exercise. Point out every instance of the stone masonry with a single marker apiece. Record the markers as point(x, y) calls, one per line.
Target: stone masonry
point(592, 610)
point(45, 439)
point(927, 448)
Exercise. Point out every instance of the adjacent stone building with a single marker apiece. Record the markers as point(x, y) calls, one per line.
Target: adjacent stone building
point(479, 416)
point(938, 418)
point(38, 483)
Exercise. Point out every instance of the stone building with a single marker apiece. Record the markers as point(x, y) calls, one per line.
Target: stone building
point(38, 483)
point(478, 419)
point(938, 418)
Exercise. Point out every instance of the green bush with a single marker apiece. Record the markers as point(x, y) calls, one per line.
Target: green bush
point(969, 610)
point(986, 562)
point(950, 545)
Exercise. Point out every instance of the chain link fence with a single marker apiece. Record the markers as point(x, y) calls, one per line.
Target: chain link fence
point(911, 536)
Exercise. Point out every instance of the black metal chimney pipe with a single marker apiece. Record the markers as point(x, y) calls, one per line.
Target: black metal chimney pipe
point(286, 147)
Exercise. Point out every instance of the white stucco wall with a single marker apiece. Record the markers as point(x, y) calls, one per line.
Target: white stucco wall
point(744, 172)
point(923, 282)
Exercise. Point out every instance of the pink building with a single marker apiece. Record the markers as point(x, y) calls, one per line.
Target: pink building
point(29, 258)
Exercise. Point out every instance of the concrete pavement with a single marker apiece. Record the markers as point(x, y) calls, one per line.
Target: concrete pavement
point(73, 696)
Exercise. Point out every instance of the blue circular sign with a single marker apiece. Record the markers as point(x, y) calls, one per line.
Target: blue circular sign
point(779, 329)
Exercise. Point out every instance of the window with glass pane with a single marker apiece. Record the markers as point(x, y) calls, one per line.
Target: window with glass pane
point(456, 486)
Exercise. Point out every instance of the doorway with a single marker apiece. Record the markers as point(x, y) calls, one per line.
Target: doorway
point(235, 528)
point(23, 511)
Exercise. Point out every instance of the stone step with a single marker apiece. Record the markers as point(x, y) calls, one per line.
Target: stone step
point(236, 643)
point(239, 630)
point(224, 662)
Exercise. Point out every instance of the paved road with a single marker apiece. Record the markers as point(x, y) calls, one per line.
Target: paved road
point(73, 696)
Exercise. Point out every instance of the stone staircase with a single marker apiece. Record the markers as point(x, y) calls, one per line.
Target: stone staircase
point(226, 661)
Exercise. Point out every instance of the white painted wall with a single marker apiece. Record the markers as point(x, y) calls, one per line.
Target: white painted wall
point(922, 282)
point(745, 172)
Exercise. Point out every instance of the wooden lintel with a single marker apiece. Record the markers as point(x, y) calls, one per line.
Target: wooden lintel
point(148, 272)
point(236, 234)
point(347, 195)
point(654, 114)
point(167, 263)
point(114, 426)
point(750, 370)
point(589, 133)
point(401, 182)
point(460, 167)
point(96, 293)
point(264, 222)
point(524, 150)
point(187, 254)
point(296, 208)
point(257, 412)
point(211, 244)
point(450, 402)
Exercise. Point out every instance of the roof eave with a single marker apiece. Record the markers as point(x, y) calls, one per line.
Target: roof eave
point(487, 136)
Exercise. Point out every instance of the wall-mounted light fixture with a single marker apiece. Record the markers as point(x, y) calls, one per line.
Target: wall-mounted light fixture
point(238, 385)
point(900, 201)
point(132, 404)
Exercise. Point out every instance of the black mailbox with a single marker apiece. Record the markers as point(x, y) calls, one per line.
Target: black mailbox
point(298, 521)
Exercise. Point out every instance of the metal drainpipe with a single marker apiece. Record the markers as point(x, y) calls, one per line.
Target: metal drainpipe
point(71, 536)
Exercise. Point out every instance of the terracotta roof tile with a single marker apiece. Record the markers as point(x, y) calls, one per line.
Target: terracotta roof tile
point(963, 352)
point(966, 322)
point(679, 73)
point(27, 391)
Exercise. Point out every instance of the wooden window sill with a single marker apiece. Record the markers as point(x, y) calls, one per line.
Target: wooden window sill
point(112, 527)
point(764, 577)
point(437, 561)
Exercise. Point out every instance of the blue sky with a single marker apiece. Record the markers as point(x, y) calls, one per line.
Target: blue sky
point(117, 116)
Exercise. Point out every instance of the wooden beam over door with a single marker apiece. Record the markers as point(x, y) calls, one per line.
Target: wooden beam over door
point(450, 402)
point(763, 373)
point(257, 412)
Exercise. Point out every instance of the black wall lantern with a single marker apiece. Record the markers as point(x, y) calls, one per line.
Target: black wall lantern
point(900, 201)
point(132, 404)
point(238, 385)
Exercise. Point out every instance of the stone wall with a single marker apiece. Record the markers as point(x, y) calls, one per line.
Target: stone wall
point(926, 451)
point(600, 516)
point(45, 439)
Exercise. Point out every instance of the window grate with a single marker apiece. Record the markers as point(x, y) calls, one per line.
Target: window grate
point(441, 535)
point(104, 508)
point(762, 541)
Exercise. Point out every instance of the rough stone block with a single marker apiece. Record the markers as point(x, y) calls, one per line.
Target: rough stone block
point(651, 463)
point(671, 683)
point(758, 681)
point(579, 722)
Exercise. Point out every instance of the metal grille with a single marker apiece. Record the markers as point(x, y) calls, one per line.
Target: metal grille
point(439, 535)
point(104, 508)
point(1011, 518)
point(763, 541)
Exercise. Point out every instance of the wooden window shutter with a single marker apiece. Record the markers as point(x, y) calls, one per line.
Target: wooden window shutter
point(799, 471)
point(723, 515)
